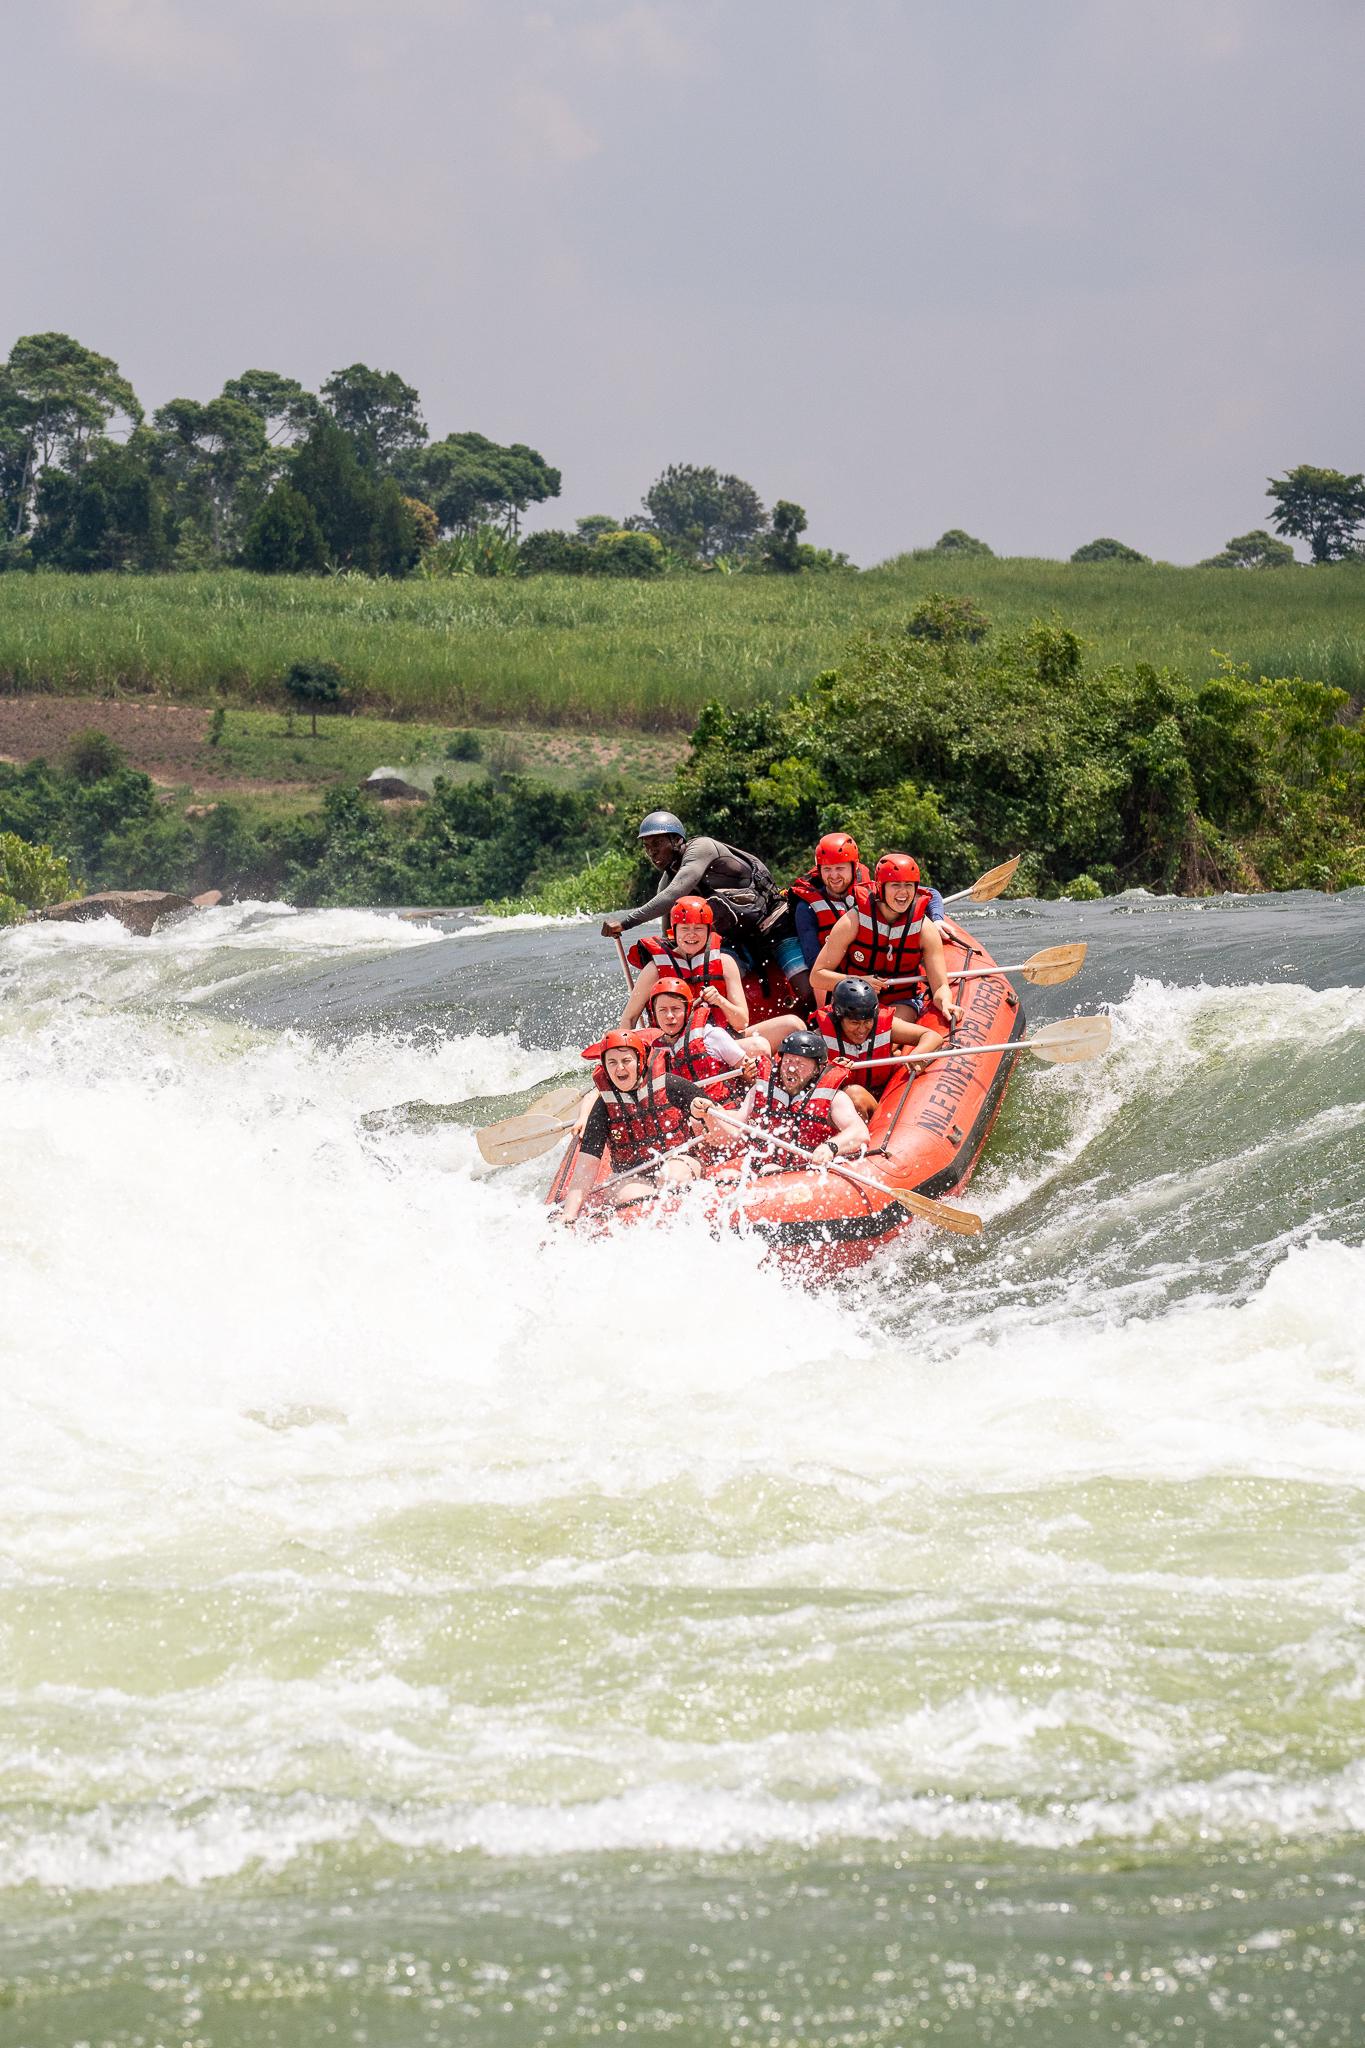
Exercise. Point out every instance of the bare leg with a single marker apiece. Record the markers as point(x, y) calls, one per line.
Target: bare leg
point(863, 1100)
point(774, 1029)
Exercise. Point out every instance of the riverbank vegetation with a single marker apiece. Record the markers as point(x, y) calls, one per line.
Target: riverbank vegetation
point(602, 655)
point(948, 737)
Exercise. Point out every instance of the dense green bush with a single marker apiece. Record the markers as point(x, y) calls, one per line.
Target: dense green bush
point(472, 842)
point(554, 553)
point(31, 877)
point(963, 753)
point(1106, 550)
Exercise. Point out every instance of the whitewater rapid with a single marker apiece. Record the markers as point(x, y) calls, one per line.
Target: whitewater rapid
point(349, 1512)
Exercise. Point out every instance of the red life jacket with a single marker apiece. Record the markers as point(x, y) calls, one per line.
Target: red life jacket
point(805, 1118)
point(887, 949)
point(877, 1047)
point(687, 1055)
point(700, 971)
point(828, 909)
point(643, 1125)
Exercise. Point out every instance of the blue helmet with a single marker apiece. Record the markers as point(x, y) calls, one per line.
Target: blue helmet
point(661, 823)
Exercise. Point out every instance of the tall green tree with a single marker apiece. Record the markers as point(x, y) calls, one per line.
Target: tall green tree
point(327, 473)
point(782, 542)
point(108, 514)
point(1256, 550)
point(472, 481)
point(57, 399)
point(381, 415)
point(1324, 507)
point(364, 520)
point(215, 458)
point(285, 409)
point(702, 512)
point(284, 538)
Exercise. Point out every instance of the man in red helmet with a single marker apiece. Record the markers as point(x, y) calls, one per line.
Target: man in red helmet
point(692, 953)
point(641, 1116)
point(887, 937)
point(819, 898)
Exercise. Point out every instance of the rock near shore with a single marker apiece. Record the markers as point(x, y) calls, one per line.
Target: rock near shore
point(140, 910)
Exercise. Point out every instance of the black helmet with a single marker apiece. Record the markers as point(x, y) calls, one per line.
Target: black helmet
point(661, 822)
point(803, 1045)
point(854, 998)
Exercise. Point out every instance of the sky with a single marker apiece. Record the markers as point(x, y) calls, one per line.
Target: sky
point(1042, 269)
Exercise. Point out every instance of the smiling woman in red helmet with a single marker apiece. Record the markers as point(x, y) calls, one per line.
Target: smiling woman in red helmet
point(641, 1116)
point(887, 936)
point(691, 952)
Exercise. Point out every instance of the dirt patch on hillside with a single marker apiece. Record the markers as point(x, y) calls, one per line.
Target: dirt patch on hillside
point(169, 742)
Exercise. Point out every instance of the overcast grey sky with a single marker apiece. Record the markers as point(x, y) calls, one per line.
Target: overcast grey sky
point(1042, 268)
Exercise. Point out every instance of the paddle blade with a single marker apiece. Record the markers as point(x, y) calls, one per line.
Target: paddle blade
point(524, 1144)
point(538, 1127)
point(994, 883)
point(1054, 964)
point(962, 1222)
point(1073, 1039)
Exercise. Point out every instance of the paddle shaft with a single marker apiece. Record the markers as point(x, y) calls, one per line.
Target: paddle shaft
point(947, 1217)
point(947, 1052)
point(633, 1172)
point(971, 974)
point(625, 961)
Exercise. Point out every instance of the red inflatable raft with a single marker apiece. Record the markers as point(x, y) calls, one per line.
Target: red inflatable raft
point(927, 1135)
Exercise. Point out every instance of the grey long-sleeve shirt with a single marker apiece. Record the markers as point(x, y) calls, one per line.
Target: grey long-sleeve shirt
point(702, 862)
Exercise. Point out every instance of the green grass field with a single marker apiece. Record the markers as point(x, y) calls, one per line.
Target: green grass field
point(273, 746)
point(554, 651)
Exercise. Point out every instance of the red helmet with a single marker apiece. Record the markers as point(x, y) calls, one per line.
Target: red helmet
point(637, 1042)
point(690, 910)
point(670, 985)
point(835, 849)
point(895, 867)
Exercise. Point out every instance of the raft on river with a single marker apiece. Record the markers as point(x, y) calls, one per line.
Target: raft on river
point(926, 1137)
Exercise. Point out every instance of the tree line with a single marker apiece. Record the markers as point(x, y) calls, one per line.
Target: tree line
point(276, 478)
point(270, 476)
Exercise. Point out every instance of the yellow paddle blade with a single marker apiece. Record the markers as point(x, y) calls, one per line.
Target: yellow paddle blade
point(1054, 964)
point(546, 1120)
point(963, 1222)
point(1073, 1039)
point(994, 883)
point(527, 1144)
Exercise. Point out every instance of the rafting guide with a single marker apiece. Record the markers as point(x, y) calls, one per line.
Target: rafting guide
point(818, 1066)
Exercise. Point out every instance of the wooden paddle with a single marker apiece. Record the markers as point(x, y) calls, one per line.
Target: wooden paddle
point(625, 961)
point(1064, 1044)
point(988, 886)
point(1044, 970)
point(536, 1130)
point(962, 1221)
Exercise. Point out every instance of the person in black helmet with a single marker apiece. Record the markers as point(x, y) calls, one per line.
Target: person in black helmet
point(748, 908)
point(859, 1026)
point(805, 1100)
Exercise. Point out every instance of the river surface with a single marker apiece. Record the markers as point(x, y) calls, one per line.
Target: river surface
point(417, 1626)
